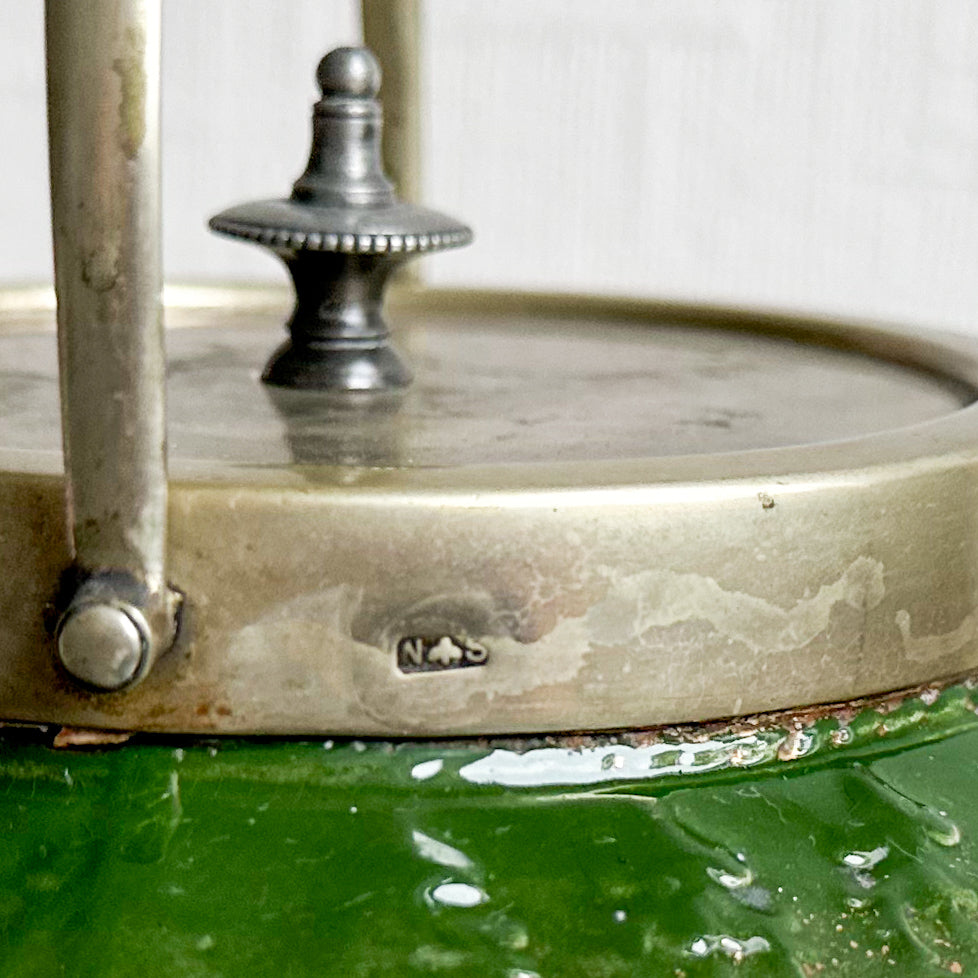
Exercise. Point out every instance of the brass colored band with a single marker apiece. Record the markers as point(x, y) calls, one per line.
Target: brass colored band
point(518, 599)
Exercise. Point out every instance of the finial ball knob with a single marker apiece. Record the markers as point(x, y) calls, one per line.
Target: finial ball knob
point(350, 73)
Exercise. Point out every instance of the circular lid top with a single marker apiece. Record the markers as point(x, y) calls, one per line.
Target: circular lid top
point(505, 388)
point(584, 514)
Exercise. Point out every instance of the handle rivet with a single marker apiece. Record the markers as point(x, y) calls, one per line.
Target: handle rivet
point(104, 646)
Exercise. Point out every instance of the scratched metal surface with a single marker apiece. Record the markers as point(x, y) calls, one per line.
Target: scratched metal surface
point(843, 846)
point(497, 388)
point(589, 582)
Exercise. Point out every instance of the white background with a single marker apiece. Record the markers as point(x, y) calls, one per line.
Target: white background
point(812, 154)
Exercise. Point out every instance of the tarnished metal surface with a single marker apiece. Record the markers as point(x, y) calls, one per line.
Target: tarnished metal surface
point(567, 582)
point(103, 92)
point(103, 60)
point(498, 389)
point(849, 851)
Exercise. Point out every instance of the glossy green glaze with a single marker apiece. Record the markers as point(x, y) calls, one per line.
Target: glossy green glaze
point(833, 850)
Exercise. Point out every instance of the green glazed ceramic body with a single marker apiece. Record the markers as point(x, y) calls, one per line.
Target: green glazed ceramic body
point(827, 849)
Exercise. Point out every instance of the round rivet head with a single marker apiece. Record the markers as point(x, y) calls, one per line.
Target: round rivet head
point(349, 72)
point(103, 645)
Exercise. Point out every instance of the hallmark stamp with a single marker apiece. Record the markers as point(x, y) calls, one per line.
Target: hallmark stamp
point(439, 653)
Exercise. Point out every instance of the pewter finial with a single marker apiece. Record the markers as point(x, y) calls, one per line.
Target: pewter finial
point(341, 234)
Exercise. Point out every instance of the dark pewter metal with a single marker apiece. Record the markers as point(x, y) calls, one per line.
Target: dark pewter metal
point(341, 234)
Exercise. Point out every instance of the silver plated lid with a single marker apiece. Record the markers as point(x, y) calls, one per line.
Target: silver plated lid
point(582, 515)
